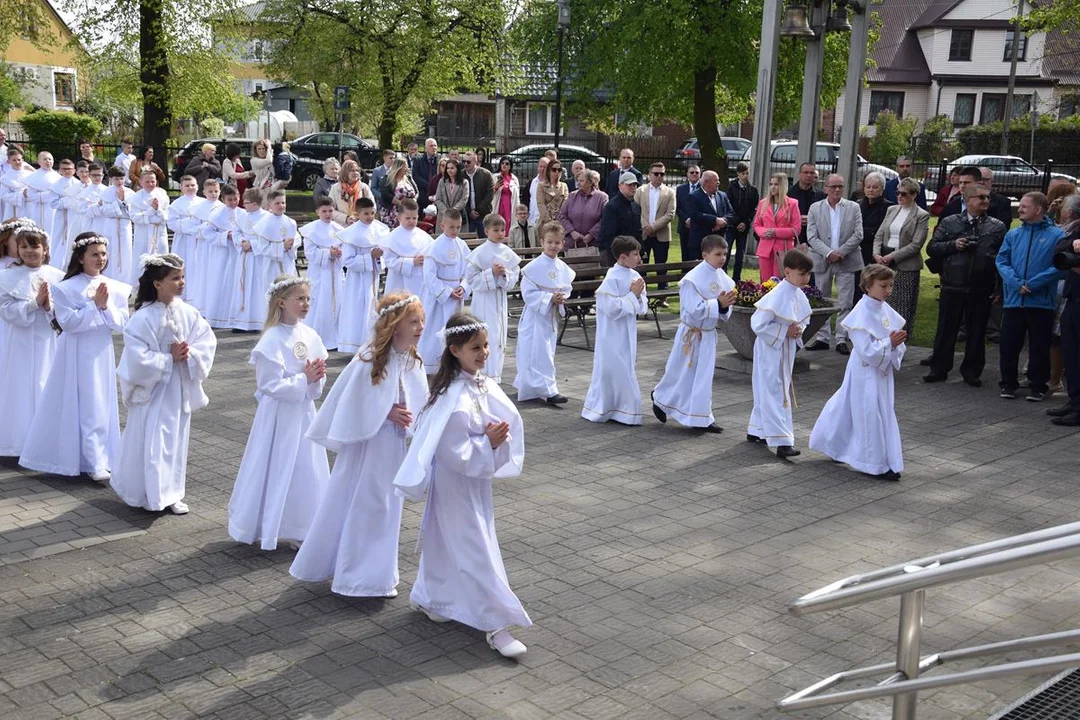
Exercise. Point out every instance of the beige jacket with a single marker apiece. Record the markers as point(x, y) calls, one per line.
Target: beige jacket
point(549, 200)
point(665, 211)
point(913, 234)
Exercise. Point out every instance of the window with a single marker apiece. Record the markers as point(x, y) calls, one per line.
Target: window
point(784, 154)
point(538, 119)
point(881, 100)
point(824, 154)
point(960, 45)
point(993, 108)
point(964, 112)
point(1021, 49)
point(64, 89)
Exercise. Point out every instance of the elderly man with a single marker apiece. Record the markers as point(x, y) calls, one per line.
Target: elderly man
point(541, 171)
point(626, 164)
point(581, 213)
point(330, 167)
point(426, 166)
point(576, 169)
point(834, 232)
point(1029, 290)
point(1068, 414)
point(657, 203)
point(481, 193)
point(710, 213)
point(904, 166)
point(804, 191)
point(204, 166)
point(621, 216)
point(682, 207)
point(966, 245)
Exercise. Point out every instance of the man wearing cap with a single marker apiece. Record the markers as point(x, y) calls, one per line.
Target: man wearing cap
point(621, 216)
point(710, 213)
point(205, 165)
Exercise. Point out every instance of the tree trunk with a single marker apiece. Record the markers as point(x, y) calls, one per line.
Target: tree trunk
point(712, 153)
point(153, 76)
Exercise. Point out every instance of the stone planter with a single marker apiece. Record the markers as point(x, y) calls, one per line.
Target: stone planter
point(738, 332)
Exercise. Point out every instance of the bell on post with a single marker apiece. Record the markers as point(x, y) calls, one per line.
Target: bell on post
point(838, 20)
point(797, 21)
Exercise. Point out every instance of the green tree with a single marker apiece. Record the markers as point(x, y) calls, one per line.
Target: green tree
point(10, 90)
point(892, 137)
point(935, 141)
point(1056, 15)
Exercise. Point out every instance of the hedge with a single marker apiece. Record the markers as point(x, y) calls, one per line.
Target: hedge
point(59, 132)
point(1057, 140)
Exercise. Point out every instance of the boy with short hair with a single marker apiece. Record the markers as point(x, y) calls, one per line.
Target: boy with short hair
point(247, 303)
point(614, 394)
point(779, 321)
point(89, 200)
point(112, 220)
point(204, 275)
point(522, 234)
point(706, 295)
point(222, 253)
point(184, 226)
point(275, 237)
point(493, 269)
point(546, 283)
point(63, 196)
point(405, 248)
point(149, 209)
point(361, 255)
point(322, 248)
point(444, 287)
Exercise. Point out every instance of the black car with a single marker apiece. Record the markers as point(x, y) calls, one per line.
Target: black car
point(193, 148)
point(323, 145)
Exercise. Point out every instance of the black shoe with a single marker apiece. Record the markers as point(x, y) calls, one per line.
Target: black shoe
point(1008, 393)
point(787, 451)
point(843, 348)
point(934, 377)
point(1071, 420)
point(557, 399)
point(713, 428)
point(1061, 410)
point(817, 345)
point(973, 382)
point(754, 438)
point(891, 476)
point(927, 362)
point(1036, 396)
point(660, 414)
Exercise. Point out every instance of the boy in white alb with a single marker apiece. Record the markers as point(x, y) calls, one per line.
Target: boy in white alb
point(183, 224)
point(706, 295)
point(89, 199)
point(149, 211)
point(275, 237)
point(322, 248)
point(361, 254)
point(779, 321)
point(858, 425)
point(247, 303)
point(405, 248)
point(614, 393)
point(220, 234)
point(493, 270)
point(444, 287)
point(63, 194)
point(546, 283)
point(113, 220)
point(13, 190)
point(204, 275)
point(38, 196)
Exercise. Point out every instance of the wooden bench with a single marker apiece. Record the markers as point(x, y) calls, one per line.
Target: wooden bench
point(663, 273)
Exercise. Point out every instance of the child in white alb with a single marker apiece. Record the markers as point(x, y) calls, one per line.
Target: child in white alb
point(275, 238)
point(112, 220)
point(406, 246)
point(149, 210)
point(361, 254)
point(205, 275)
point(322, 248)
point(220, 236)
point(185, 226)
point(493, 271)
point(444, 286)
point(247, 306)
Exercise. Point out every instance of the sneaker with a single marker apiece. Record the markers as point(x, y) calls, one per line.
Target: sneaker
point(179, 508)
point(504, 643)
point(433, 617)
point(1008, 394)
point(1055, 388)
point(101, 478)
point(1061, 410)
point(1036, 396)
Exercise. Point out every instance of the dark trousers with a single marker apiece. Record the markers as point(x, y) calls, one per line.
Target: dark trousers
point(971, 310)
point(737, 247)
point(1070, 346)
point(477, 226)
point(684, 244)
point(1037, 325)
point(658, 251)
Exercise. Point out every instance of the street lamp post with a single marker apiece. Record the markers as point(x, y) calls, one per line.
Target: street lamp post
point(564, 23)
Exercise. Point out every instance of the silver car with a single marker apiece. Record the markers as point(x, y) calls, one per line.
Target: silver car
point(785, 159)
point(1012, 175)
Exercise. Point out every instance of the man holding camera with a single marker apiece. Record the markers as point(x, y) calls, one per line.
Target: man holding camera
point(1067, 257)
point(966, 244)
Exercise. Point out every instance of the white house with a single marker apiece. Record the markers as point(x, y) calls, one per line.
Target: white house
point(953, 57)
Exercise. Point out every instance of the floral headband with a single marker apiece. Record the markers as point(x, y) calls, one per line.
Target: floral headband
point(284, 284)
point(92, 240)
point(446, 333)
point(20, 224)
point(398, 305)
point(168, 260)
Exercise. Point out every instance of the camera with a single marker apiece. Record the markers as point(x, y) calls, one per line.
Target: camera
point(1066, 260)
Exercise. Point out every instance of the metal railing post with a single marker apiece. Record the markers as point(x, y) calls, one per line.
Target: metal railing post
point(908, 649)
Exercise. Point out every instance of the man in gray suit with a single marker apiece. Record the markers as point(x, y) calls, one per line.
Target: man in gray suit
point(834, 231)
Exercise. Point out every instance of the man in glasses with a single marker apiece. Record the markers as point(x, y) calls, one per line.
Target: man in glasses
point(657, 203)
point(904, 168)
point(966, 244)
point(626, 165)
point(682, 207)
point(834, 231)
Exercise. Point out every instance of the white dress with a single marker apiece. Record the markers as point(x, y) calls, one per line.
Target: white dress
point(858, 424)
point(63, 199)
point(160, 396)
point(151, 233)
point(38, 197)
point(489, 297)
point(461, 574)
point(283, 475)
point(76, 428)
point(271, 232)
point(401, 246)
point(112, 219)
point(361, 283)
point(13, 193)
point(219, 235)
point(353, 539)
point(205, 275)
point(614, 393)
point(327, 277)
point(82, 195)
point(685, 391)
point(183, 225)
point(444, 270)
point(774, 361)
point(247, 303)
point(26, 352)
point(538, 329)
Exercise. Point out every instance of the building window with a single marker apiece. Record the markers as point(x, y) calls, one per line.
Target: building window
point(964, 112)
point(960, 45)
point(993, 108)
point(881, 100)
point(538, 119)
point(64, 89)
point(1021, 49)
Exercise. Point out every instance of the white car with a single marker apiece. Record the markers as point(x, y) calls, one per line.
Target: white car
point(785, 159)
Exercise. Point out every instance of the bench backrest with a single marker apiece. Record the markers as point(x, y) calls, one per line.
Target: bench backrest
point(668, 273)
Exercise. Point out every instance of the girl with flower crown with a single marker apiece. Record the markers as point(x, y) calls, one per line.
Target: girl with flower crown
point(168, 352)
point(353, 539)
point(469, 434)
point(76, 427)
point(283, 474)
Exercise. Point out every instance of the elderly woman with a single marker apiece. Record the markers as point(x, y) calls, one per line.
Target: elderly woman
point(551, 193)
point(580, 214)
point(348, 189)
point(262, 164)
point(205, 165)
point(452, 191)
point(898, 243)
point(872, 205)
point(145, 159)
point(399, 185)
point(331, 171)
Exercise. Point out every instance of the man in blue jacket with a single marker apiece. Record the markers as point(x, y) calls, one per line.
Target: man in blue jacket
point(710, 212)
point(1029, 289)
point(682, 208)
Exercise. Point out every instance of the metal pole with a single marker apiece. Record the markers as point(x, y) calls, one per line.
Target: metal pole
point(558, 89)
point(766, 93)
point(907, 651)
point(811, 99)
point(1012, 79)
point(849, 131)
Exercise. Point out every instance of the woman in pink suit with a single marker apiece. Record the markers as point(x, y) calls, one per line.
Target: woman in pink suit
point(776, 224)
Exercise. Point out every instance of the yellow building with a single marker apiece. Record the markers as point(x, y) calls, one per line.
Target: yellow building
point(46, 56)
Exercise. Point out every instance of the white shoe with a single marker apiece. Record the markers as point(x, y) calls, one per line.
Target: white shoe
point(505, 644)
point(433, 617)
point(391, 594)
point(101, 478)
point(179, 508)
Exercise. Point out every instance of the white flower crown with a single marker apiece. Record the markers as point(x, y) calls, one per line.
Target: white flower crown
point(18, 224)
point(445, 333)
point(398, 305)
point(92, 240)
point(168, 260)
point(286, 283)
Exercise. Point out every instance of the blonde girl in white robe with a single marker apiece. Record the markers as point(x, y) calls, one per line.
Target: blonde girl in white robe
point(184, 225)
point(283, 474)
point(27, 312)
point(322, 248)
point(220, 234)
point(444, 286)
point(149, 209)
point(405, 247)
point(858, 424)
point(469, 434)
point(614, 393)
point(76, 428)
point(706, 295)
point(113, 220)
point(361, 254)
point(247, 304)
point(168, 352)
point(546, 283)
point(493, 270)
point(353, 539)
point(275, 241)
point(205, 275)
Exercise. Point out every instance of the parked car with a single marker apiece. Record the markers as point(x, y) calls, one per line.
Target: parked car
point(322, 145)
point(735, 147)
point(193, 148)
point(785, 159)
point(526, 158)
point(1012, 175)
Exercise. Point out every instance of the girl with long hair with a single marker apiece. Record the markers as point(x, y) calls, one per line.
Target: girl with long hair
point(399, 186)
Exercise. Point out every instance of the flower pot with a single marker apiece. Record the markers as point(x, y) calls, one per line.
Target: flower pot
point(741, 336)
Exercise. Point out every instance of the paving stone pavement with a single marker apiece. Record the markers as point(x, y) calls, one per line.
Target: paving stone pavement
point(656, 562)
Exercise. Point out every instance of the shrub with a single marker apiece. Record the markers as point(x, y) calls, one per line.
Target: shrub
point(935, 143)
point(59, 132)
point(893, 138)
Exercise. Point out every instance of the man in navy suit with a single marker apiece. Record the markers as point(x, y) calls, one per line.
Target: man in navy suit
point(903, 168)
point(682, 208)
point(710, 212)
point(626, 164)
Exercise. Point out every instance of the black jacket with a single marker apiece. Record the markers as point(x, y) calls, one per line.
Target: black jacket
point(612, 185)
point(1000, 208)
point(806, 198)
point(873, 214)
point(620, 217)
point(970, 270)
point(1072, 280)
point(744, 201)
